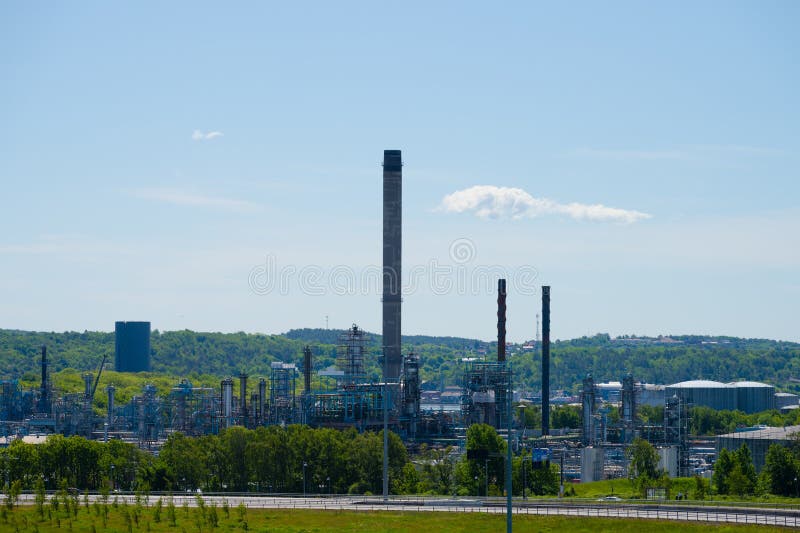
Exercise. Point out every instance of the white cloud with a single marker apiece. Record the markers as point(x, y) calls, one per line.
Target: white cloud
point(186, 198)
point(198, 135)
point(488, 201)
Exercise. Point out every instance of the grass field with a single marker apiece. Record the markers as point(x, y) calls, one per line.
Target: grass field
point(179, 520)
point(624, 489)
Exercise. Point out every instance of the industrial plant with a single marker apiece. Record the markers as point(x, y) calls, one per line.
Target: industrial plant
point(487, 392)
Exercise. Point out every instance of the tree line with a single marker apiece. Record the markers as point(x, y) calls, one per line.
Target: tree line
point(293, 459)
point(298, 459)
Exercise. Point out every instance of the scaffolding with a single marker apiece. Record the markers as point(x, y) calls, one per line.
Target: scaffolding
point(193, 410)
point(147, 411)
point(350, 355)
point(359, 405)
point(282, 393)
point(676, 430)
point(485, 390)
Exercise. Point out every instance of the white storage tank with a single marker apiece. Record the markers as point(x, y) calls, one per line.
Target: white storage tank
point(786, 399)
point(754, 397)
point(706, 393)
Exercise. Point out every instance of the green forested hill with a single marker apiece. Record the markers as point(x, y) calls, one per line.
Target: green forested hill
point(691, 357)
point(173, 352)
point(180, 353)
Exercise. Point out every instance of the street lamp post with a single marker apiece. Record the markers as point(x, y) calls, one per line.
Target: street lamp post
point(524, 476)
point(304, 478)
point(328, 480)
point(477, 487)
point(112, 478)
point(385, 400)
point(486, 473)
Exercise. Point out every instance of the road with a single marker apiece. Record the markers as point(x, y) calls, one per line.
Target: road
point(715, 513)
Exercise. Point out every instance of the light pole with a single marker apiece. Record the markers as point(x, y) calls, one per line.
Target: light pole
point(509, 456)
point(524, 476)
point(328, 481)
point(385, 430)
point(486, 473)
point(112, 478)
point(477, 487)
point(304, 478)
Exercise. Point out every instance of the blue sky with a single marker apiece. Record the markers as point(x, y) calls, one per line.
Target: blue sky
point(156, 157)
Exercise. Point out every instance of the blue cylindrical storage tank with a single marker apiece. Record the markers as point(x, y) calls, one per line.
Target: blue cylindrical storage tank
point(132, 347)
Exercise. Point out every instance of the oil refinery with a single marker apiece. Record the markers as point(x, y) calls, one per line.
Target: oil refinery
point(486, 393)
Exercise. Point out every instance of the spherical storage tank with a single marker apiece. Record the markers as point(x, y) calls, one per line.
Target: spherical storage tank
point(704, 393)
point(754, 397)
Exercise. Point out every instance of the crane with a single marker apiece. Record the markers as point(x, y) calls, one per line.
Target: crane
point(99, 372)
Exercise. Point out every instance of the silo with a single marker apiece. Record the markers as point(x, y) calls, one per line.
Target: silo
point(132, 347)
point(706, 393)
point(754, 397)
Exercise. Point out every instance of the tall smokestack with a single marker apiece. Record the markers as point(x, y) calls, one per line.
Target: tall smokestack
point(392, 256)
point(545, 360)
point(501, 320)
point(306, 370)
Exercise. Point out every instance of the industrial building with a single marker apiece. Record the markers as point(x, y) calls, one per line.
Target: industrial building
point(132, 346)
point(758, 440)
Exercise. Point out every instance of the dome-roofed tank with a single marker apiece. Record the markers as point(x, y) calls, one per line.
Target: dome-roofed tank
point(704, 393)
point(754, 397)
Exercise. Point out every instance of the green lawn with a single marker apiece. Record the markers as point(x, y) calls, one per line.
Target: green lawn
point(129, 519)
point(624, 489)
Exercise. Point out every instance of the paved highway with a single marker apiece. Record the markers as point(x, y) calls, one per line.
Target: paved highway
point(728, 513)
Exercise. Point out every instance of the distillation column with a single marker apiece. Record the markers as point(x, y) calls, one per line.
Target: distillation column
point(243, 399)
